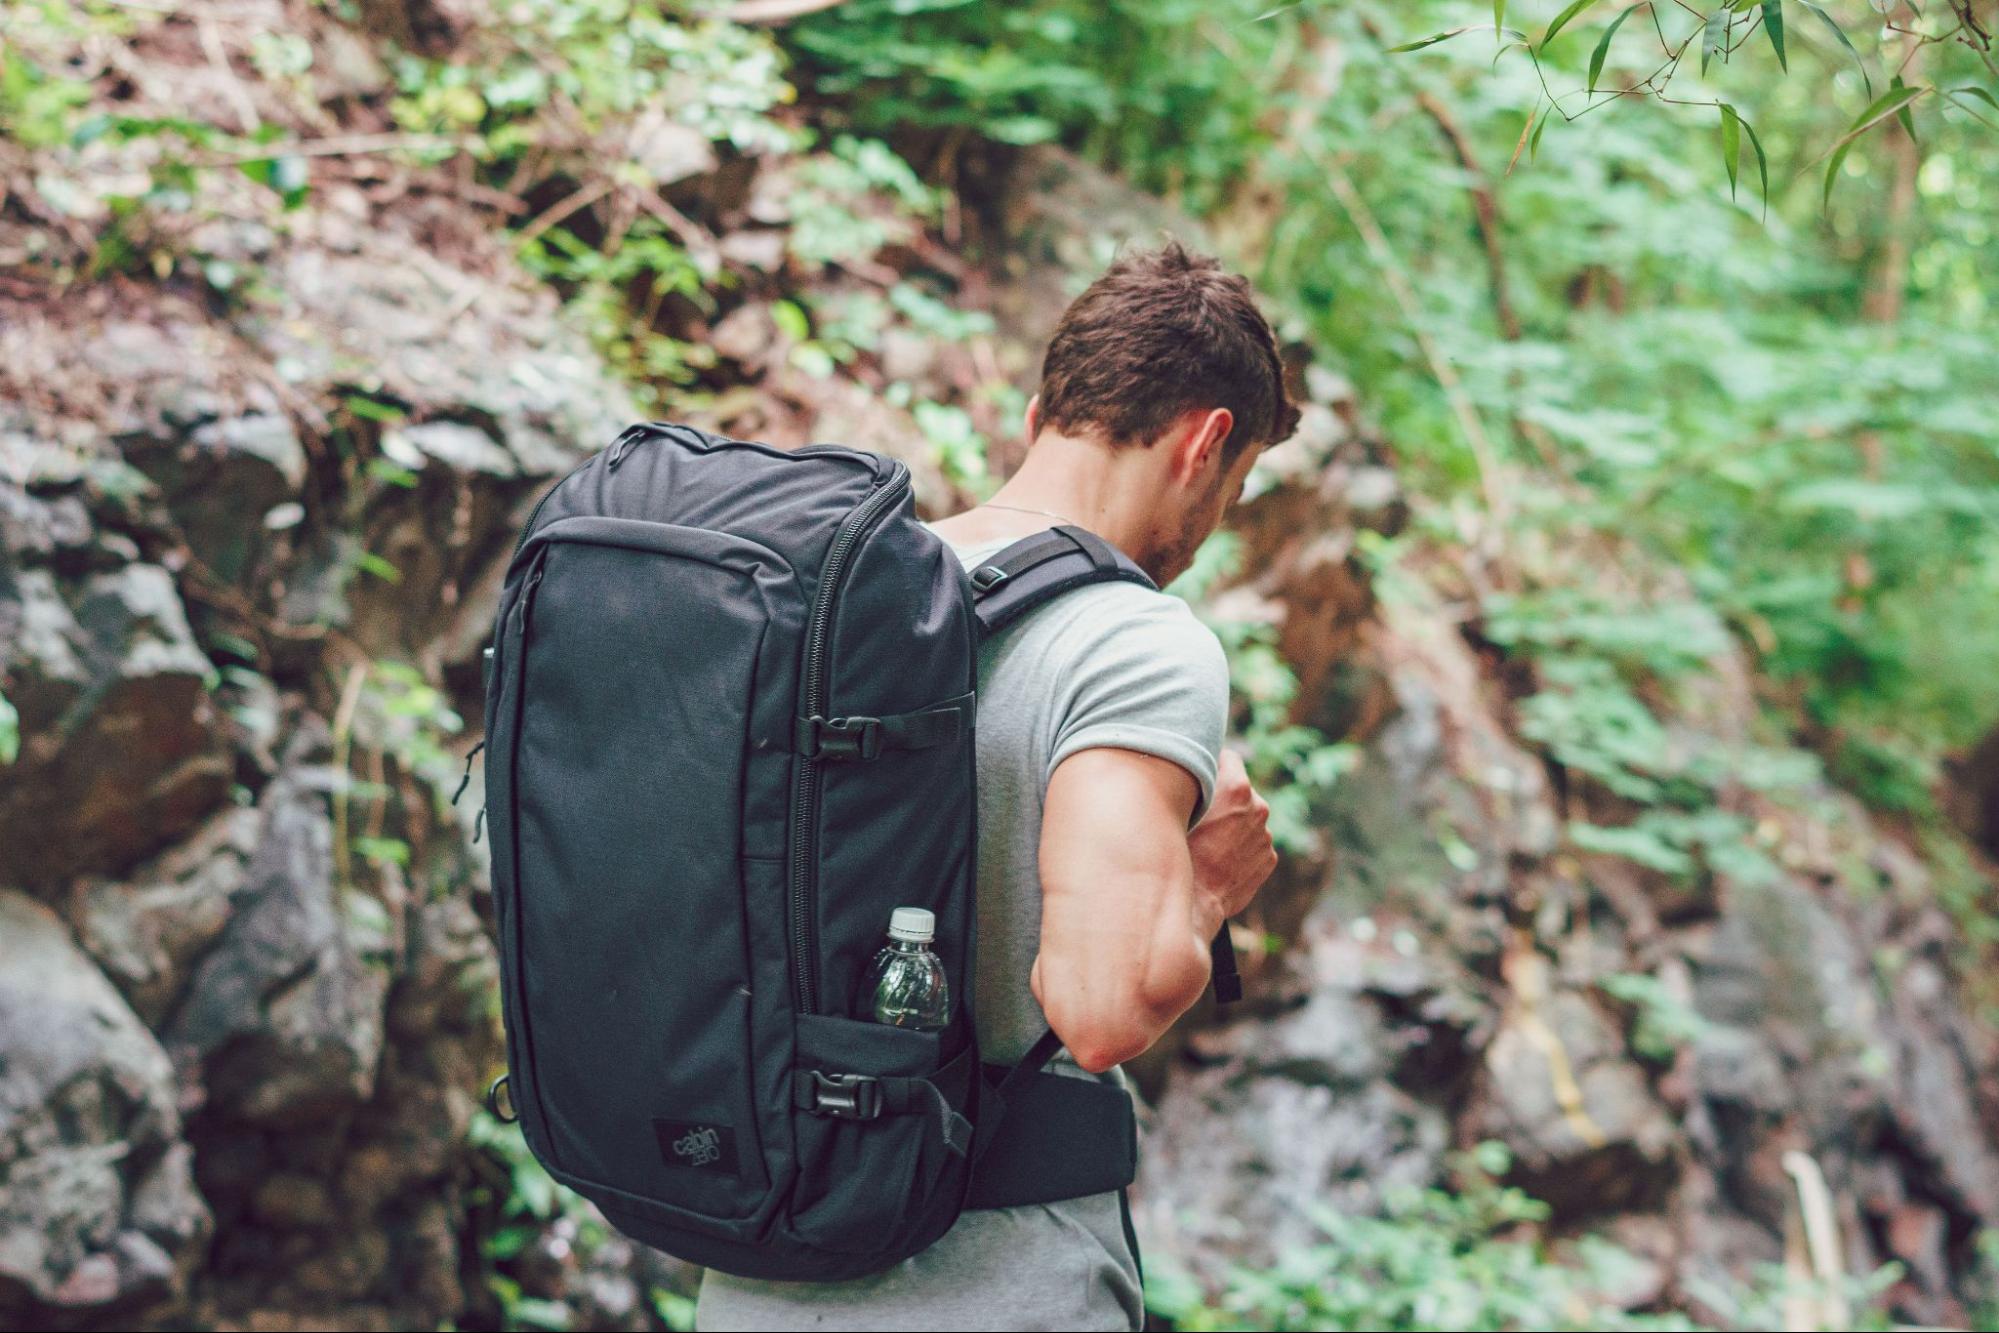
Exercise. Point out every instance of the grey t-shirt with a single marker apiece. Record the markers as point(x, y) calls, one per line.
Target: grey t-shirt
point(1113, 665)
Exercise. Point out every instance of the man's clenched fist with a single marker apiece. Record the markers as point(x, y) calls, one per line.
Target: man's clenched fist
point(1231, 845)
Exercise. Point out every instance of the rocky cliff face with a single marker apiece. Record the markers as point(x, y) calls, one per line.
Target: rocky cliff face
point(248, 552)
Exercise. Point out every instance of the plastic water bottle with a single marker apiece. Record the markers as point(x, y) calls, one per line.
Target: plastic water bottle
point(906, 984)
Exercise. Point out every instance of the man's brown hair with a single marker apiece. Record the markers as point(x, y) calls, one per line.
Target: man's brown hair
point(1165, 332)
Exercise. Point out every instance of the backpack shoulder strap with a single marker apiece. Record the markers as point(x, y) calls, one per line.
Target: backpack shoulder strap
point(1039, 568)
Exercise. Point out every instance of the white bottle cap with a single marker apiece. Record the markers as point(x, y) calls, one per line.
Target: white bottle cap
point(916, 924)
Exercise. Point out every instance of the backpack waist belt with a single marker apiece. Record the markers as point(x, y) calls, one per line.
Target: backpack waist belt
point(1058, 1138)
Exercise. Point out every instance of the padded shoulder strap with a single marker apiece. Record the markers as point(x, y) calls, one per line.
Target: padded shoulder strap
point(1035, 569)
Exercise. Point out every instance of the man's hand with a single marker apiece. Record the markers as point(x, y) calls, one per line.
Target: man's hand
point(1231, 845)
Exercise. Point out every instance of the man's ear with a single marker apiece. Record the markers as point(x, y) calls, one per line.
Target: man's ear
point(1031, 421)
point(1201, 444)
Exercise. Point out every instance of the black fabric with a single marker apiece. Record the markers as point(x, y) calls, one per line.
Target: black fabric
point(1039, 568)
point(866, 738)
point(1131, 1234)
point(1058, 1137)
point(689, 883)
point(1221, 955)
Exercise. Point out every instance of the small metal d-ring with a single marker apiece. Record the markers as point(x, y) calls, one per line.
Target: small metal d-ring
point(508, 1116)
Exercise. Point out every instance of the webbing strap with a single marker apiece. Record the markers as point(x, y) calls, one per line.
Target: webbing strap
point(870, 1096)
point(870, 737)
point(1059, 1137)
point(1037, 1058)
point(1039, 568)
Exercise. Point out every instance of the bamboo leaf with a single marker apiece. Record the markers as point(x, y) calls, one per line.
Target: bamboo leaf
point(1902, 113)
point(1884, 106)
point(1534, 143)
point(1715, 38)
point(1773, 24)
point(1731, 143)
point(1975, 91)
point(1562, 21)
point(1498, 14)
point(1844, 41)
point(1603, 45)
point(1522, 141)
point(1762, 165)
point(1431, 40)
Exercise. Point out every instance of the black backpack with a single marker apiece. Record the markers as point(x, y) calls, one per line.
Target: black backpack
point(729, 717)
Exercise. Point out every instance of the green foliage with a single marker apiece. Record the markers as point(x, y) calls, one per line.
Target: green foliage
point(596, 62)
point(609, 294)
point(531, 1202)
point(10, 732)
point(1293, 765)
point(408, 718)
point(1433, 1259)
point(1665, 1022)
point(1156, 87)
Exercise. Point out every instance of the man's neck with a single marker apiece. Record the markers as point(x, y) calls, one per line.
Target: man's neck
point(1069, 480)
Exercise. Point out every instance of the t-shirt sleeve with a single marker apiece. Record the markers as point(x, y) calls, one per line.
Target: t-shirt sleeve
point(1145, 675)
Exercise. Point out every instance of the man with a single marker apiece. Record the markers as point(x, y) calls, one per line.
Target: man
point(1116, 835)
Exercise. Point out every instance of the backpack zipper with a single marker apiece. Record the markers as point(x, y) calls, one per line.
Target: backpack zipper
point(805, 772)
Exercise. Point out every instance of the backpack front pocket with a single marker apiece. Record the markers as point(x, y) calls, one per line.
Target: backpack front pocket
point(883, 1139)
point(625, 894)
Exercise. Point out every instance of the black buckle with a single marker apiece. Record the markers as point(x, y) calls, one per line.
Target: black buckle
point(987, 577)
point(846, 1096)
point(844, 738)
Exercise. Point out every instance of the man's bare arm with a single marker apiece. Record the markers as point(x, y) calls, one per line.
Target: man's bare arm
point(1125, 922)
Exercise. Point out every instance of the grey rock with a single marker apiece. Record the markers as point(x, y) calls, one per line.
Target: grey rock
point(147, 934)
point(1234, 1165)
point(456, 445)
point(1587, 1133)
point(282, 1018)
point(121, 746)
point(33, 530)
point(666, 149)
point(97, 1204)
point(219, 483)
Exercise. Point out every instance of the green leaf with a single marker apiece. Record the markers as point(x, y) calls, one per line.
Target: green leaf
point(374, 564)
point(1844, 41)
point(1534, 143)
point(1562, 21)
point(1731, 143)
point(1715, 38)
point(10, 732)
point(1762, 164)
point(1603, 44)
point(1521, 142)
point(1974, 91)
point(1882, 107)
point(1498, 14)
point(1445, 36)
point(1773, 24)
point(1902, 113)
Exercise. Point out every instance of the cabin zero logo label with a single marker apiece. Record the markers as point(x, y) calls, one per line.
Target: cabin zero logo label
point(700, 1147)
point(697, 1145)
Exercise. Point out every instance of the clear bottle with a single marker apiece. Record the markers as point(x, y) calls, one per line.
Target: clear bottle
point(905, 986)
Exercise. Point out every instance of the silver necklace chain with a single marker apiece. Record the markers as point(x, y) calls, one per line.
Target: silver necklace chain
point(1045, 513)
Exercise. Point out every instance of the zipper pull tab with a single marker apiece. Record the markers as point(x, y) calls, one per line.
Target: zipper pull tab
point(527, 593)
point(622, 445)
point(466, 781)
